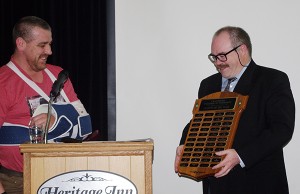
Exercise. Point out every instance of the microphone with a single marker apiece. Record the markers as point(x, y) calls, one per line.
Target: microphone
point(56, 88)
point(59, 83)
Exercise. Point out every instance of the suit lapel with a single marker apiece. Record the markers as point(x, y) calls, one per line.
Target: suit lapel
point(218, 84)
point(245, 83)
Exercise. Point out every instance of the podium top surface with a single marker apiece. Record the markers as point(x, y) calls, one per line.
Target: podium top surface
point(92, 146)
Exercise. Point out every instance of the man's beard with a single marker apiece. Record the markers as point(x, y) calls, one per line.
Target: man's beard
point(39, 65)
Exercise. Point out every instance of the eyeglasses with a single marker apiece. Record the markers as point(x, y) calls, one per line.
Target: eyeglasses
point(221, 57)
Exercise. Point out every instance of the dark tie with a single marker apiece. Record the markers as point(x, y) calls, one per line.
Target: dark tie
point(228, 84)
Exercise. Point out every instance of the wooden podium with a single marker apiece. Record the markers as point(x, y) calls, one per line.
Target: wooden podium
point(130, 159)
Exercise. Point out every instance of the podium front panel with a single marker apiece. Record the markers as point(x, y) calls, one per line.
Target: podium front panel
point(132, 160)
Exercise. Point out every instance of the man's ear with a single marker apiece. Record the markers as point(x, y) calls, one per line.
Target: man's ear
point(244, 49)
point(20, 43)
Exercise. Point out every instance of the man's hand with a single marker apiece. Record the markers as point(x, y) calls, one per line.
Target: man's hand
point(41, 119)
point(228, 163)
point(179, 151)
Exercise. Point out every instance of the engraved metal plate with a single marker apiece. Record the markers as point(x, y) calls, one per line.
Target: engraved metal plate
point(212, 128)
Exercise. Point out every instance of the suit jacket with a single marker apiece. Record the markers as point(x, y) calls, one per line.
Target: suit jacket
point(265, 127)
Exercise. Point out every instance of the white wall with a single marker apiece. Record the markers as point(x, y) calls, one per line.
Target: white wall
point(162, 48)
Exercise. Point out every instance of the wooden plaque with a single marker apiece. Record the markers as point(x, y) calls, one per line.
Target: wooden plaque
point(212, 128)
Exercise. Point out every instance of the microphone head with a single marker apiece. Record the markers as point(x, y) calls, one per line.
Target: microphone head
point(59, 83)
point(63, 75)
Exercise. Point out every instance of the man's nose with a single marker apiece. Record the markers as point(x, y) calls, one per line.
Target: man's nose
point(48, 50)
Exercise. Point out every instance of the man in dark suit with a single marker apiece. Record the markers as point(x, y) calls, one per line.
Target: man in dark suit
point(255, 164)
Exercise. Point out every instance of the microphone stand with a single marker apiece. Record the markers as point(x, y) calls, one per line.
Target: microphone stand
point(48, 119)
